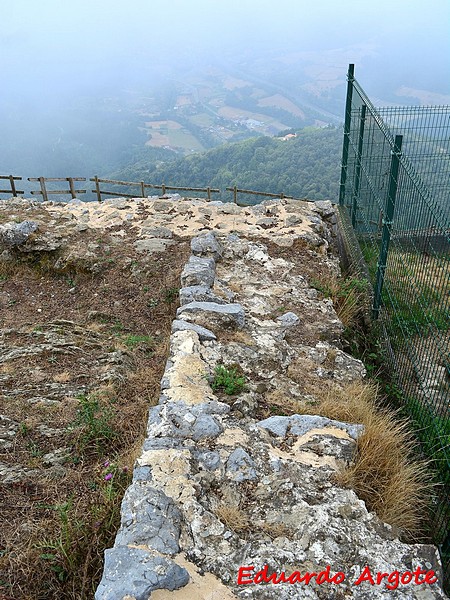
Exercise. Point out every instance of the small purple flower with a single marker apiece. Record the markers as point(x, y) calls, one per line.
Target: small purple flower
point(108, 477)
point(106, 463)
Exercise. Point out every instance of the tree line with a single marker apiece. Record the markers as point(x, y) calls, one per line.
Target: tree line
point(306, 166)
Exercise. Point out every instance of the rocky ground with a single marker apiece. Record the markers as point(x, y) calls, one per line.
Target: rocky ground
point(222, 481)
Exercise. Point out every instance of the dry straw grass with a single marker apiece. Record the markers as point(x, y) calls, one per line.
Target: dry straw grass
point(385, 474)
point(233, 516)
point(275, 530)
point(349, 296)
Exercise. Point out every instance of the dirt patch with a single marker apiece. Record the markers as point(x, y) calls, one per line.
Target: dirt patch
point(82, 352)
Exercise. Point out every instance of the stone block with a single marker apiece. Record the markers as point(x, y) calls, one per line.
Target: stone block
point(206, 245)
point(149, 518)
point(214, 315)
point(240, 466)
point(301, 424)
point(134, 573)
point(199, 293)
point(198, 271)
point(289, 319)
point(15, 234)
point(203, 333)
point(153, 244)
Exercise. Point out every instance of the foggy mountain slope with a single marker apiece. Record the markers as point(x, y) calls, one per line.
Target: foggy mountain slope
point(304, 166)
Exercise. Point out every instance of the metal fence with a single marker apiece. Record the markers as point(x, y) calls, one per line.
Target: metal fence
point(394, 194)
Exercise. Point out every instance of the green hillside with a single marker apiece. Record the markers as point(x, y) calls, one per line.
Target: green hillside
point(306, 166)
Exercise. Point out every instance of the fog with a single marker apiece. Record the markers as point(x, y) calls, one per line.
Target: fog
point(64, 66)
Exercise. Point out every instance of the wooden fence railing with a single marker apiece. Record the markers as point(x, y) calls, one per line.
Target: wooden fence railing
point(141, 185)
point(44, 192)
point(236, 190)
point(12, 184)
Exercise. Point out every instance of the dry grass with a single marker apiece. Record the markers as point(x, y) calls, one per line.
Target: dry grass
point(63, 377)
point(348, 307)
point(233, 516)
point(238, 336)
point(275, 530)
point(349, 296)
point(54, 532)
point(283, 404)
point(385, 474)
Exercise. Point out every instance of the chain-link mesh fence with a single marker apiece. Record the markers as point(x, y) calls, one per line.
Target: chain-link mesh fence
point(395, 184)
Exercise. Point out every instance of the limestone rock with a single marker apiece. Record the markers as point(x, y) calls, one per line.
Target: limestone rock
point(240, 466)
point(16, 473)
point(325, 208)
point(162, 206)
point(215, 315)
point(206, 245)
point(198, 271)
point(199, 293)
point(157, 232)
point(292, 220)
point(267, 222)
point(301, 424)
point(14, 234)
point(149, 517)
point(152, 244)
point(119, 203)
point(289, 319)
point(177, 420)
point(8, 430)
point(135, 573)
point(79, 260)
point(228, 209)
point(343, 366)
point(57, 457)
point(209, 460)
point(203, 333)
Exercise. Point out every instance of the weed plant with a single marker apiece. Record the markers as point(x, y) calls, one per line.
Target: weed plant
point(93, 426)
point(349, 296)
point(228, 380)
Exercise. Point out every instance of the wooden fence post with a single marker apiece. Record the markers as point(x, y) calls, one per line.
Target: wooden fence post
point(13, 185)
point(72, 188)
point(235, 194)
point(97, 189)
point(43, 189)
point(142, 189)
point(208, 189)
point(163, 190)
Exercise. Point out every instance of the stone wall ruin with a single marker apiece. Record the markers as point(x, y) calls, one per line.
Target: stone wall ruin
point(217, 488)
point(222, 482)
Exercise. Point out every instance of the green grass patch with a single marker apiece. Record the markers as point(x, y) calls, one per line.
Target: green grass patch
point(69, 551)
point(144, 342)
point(228, 380)
point(171, 294)
point(93, 426)
point(434, 434)
point(414, 299)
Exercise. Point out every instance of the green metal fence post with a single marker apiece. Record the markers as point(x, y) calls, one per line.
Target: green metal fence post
point(387, 224)
point(348, 118)
point(358, 165)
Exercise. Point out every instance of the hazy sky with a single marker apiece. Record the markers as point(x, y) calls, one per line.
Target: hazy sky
point(50, 46)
